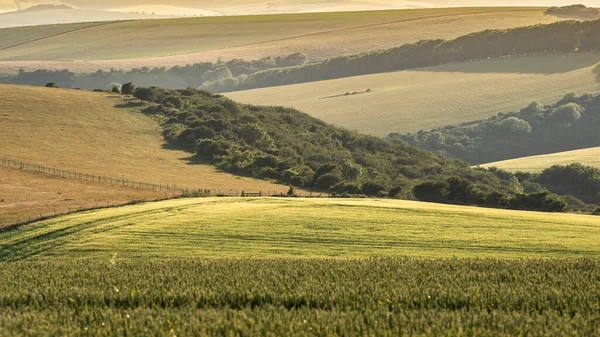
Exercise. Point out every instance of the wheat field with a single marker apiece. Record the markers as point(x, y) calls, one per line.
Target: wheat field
point(101, 134)
point(157, 43)
point(407, 101)
point(303, 228)
point(589, 157)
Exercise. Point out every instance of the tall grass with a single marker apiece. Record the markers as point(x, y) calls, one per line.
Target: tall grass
point(374, 297)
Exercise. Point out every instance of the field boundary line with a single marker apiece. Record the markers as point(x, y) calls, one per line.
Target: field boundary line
point(63, 33)
point(10, 163)
point(357, 27)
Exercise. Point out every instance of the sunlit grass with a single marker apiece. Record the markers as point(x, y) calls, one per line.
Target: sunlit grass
point(304, 228)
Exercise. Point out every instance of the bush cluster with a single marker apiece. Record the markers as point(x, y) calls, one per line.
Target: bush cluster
point(569, 124)
point(298, 150)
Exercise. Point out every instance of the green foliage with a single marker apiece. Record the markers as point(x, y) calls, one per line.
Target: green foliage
point(298, 297)
point(574, 11)
point(569, 124)
point(128, 88)
point(580, 181)
point(51, 85)
point(596, 211)
point(299, 150)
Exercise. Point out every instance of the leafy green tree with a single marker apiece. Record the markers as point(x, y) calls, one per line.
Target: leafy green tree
point(128, 89)
point(514, 125)
point(567, 113)
point(351, 171)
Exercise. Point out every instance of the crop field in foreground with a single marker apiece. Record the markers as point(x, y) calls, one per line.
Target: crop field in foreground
point(157, 43)
point(589, 157)
point(101, 134)
point(29, 195)
point(426, 98)
point(291, 297)
point(302, 228)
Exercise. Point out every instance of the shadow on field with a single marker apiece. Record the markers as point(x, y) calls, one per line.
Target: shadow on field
point(541, 64)
point(129, 105)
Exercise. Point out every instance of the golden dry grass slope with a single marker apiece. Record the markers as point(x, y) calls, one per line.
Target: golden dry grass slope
point(99, 134)
point(407, 101)
point(589, 156)
point(304, 228)
point(182, 41)
point(29, 195)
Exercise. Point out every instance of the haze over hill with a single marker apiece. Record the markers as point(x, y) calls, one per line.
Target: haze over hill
point(110, 10)
point(93, 46)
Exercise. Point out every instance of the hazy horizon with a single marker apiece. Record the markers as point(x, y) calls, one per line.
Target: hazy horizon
point(240, 7)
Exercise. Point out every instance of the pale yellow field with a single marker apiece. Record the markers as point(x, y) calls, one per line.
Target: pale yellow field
point(407, 101)
point(589, 157)
point(99, 134)
point(309, 228)
point(182, 41)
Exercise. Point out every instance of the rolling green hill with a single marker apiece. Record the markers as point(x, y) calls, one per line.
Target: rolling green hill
point(426, 98)
point(302, 228)
point(589, 157)
point(182, 41)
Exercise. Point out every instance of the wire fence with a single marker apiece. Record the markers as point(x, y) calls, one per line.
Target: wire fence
point(132, 183)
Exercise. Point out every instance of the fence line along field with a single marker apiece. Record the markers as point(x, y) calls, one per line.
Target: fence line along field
point(291, 297)
point(407, 101)
point(26, 195)
point(589, 157)
point(157, 43)
point(302, 228)
point(103, 135)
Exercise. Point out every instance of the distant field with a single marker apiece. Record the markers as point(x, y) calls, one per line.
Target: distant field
point(181, 41)
point(29, 195)
point(407, 101)
point(100, 134)
point(589, 156)
point(303, 228)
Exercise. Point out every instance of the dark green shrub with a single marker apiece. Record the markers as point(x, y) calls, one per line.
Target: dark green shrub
point(328, 180)
point(432, 191)
point(372, 189)
point(395, 192)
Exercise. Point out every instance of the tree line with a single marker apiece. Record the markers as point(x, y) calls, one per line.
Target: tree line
point(192, 75)
point(559, 37)
point(293, 148)
point(569, 124)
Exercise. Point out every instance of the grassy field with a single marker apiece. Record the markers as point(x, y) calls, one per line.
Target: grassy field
point(100, 134)
point(375, 297)
point(182, 41)
point(589, 156)
point(29, 195)
point(302, 228)
point(407, 101)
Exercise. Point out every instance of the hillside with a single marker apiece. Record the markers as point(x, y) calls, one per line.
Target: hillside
point(316, 228)
point(28, 195)
point(182, 41)
point(100, 134)
point(426, 98)
point(589, 156)
point(65, 16)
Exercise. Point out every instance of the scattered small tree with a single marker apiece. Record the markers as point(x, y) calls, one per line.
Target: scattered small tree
point(51, 85)
point(128, 89)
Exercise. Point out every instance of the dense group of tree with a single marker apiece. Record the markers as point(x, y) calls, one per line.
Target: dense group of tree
point(569, 124)
point(294, 148)
point(559, 37)
point(176, 77)
point(574, 11)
